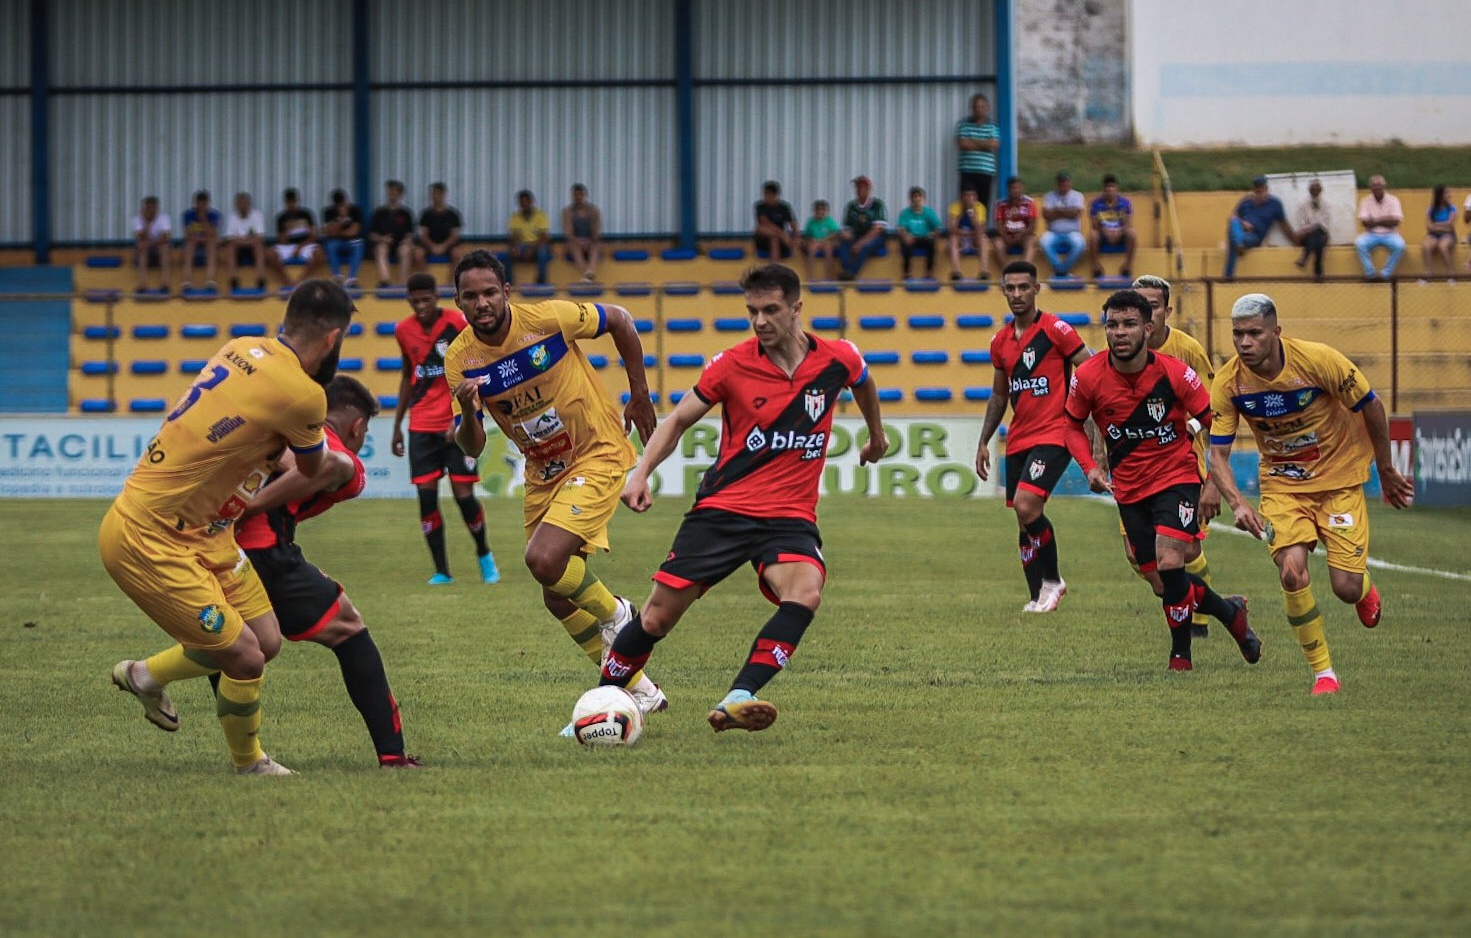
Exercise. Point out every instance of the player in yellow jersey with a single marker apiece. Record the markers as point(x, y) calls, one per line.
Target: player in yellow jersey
point(1317, 424)
point(1170, 340)
point(167, 542)
point(521, 364)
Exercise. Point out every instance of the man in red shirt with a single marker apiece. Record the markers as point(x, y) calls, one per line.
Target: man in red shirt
point(311, 606)
point(1147, 407)
point(1015, 224)
point(423, 338)
point(1033, 355)
point(758, 502)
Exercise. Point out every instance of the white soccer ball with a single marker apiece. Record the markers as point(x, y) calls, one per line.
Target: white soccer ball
point(607, 716)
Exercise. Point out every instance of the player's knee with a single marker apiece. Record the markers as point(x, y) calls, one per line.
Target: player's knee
point(1294, 577)
point(545, 568)
point(270, 646)
point(1348, 588)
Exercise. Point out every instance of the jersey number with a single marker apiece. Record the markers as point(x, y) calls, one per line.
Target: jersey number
point(217, 374)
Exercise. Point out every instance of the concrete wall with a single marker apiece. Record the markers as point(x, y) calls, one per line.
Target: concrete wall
point(1072, 70)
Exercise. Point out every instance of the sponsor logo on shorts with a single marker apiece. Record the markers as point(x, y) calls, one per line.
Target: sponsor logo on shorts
point(552, 469)
point(1342, 520)
point(575, 510)
point(211, 619)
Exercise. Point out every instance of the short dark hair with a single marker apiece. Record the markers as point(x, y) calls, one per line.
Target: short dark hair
point(578, 187)
point(202, 195)
point(1012, 179)
point(347, 391)
point(438, 186)
point(394, 184)
point(971, 189)
point(421, 281)
point(916, 190)
point(291, 195)
point(1021, 267)
point(480, 259)
point(773, 277)
point(317, 306)
point(339, 196)
point(525, 194)
point(821, 203)
point(1129, 299)
point(1110, 178)
point(772, 186)
point(150, 200)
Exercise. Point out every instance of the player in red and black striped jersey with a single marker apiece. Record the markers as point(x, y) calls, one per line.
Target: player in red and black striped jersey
point(1147, 407)
point(311, 606)
point(758, 503)
point(1033, 356)
point(423, 339)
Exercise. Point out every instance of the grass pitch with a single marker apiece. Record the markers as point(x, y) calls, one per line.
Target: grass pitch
point(943, 764)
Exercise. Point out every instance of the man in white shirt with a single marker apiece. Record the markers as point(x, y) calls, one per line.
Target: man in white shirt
point(153, 235)
point(1311, 222)
point(245, 244)
point(1062, 209)
point(1380, 214)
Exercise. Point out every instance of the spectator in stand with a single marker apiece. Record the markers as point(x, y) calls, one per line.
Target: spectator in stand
point(1014, 226)
point(865, 223)
point(296, 240)
point(1380, 214)
point(1466, 218)
point(530, 238)
point(391, 233)
point(1062, 209)
point(582, 226)
point(1440, 234)
point(439, 228)
point(245, 244)
point(342, 234)
point(820, 239)
point(1252, 222)
point(967, 230)
point(776, 224)
point(201, 240)
point(153, 236)
point(918, 227)
point(1314, 218)
point(1112, 218)
point(978, 139)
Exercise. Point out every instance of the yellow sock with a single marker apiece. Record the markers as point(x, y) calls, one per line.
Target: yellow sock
point(1365, 591)
point(584, 590)
point(1199, 567)
point(1307, 623)
point(179, 664)
point(238, 707)
point(583, 627)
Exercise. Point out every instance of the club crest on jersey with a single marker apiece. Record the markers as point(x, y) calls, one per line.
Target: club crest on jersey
point(1156, 409)
point(1036, 469)
point(1187, 514)
point(1029, 357)
point(540, 358)
point(441, 347)
point(815, 400)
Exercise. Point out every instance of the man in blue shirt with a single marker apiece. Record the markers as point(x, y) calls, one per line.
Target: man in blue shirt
point(1252, 222)
point(201, 240)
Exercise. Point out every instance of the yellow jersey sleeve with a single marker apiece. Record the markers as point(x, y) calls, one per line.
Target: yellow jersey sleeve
point(1224, 417)
point(454, 369)
point(578, 320)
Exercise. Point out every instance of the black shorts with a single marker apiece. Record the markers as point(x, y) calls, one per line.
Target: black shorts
point(432, 456)
point(712, 544)
point(305, 598)
point(1037, 470)
point(1173, 512)
point(782, 248)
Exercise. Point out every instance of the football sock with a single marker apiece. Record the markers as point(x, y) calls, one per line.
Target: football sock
point(367, 685)
point(474, 517)
point(433, 524)
point(1208, 601)
point(174, 664)
point(1044, 544)
point(1177, 600)
point(583, 627)
point(1307, 624)
point(774, 646)
point(238, 707)
point(1201, 570)
point(629, 654)
point(1365, 591)
point(1031, 569)
point(584, 590)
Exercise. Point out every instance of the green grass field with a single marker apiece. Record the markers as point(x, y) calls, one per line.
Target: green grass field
point(943, 765)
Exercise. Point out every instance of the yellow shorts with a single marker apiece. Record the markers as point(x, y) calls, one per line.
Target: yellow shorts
point(582, 501)
point(198, 589)
point(1340, 519)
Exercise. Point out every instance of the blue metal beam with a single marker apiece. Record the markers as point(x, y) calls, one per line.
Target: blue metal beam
point(684, 111)
point(40, 132)
point(1006, 165)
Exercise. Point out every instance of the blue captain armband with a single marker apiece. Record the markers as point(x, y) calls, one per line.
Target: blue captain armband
point(1363, 403)
point(303, 450)
point(1222, 440)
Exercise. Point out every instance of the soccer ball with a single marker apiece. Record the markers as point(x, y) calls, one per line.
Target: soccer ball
point(607, 716)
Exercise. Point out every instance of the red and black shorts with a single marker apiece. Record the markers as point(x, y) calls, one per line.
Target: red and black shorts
point(1037, 470)
point(1172, 512)
point(432, 456)
point(305, 598)
point(712, 544)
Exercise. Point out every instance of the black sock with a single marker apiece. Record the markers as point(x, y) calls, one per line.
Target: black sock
point(1178, 609)
point(1210, 602)
point(630, 652)
point(433, 524)
point(367, 685)
point(774, 646)
point(474, 517)
point(1045, 540)
point(1031, 569)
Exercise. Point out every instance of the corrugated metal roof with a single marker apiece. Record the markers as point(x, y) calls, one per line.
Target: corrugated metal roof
point(15, 169)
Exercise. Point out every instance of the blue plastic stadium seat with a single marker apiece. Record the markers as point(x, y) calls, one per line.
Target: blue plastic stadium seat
point(102, 296)
point(99, 368)
point(101, 332)
point(147, 405)
point(198, 330)
point(824, 286)
point(585, 289)
point(926, 322)
point(350, 364)
point(827, 322)
point(976, 357)
point(103, 261)
point(149, 366)
point(890, 395)
point(970, 286)
point(355, 329)
point(199, 294)
point(727, 254)
point(643, 325)
point(689, 325)
point(682, 288)
point(653, 396)
point(150, 332)
point(388, 401)
point(535, 290)
point(296, 261)
point(977, 394)
point(676, 396)
point(247, 293)
point(877, 322)
point(649, 362)
point(630, 254)
point(1075, 319)
point(96, 405)
point(1112, 247)
point(192, 366)
point(598, 361)
point(930, 357)
point(874, 286)
point(1066, 283)
point(686, 361)
point(1002, 430)
point(384, 328)
point(391, 293)
point(678, 254)
point(727, 288)
point(388, 363)
point(973, 321)
point(922, 286)
point(242, 330)
point(633, 288)
point(731, 324)
point(881, 358)
point(933, 395)
point(437, 259)
point(845, 396)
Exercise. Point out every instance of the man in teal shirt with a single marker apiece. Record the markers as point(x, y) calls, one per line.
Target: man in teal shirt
point(918, 224)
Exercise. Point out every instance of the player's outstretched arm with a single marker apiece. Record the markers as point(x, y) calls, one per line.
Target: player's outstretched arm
point(866, 396)
point(639, 413)
point(1399, 492)
point(291, 485)
point(636, 492)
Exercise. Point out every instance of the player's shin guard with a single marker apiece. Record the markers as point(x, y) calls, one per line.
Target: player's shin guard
point(433, 525)
point(367, 685)
point(630, 652)
point(583, 627)
point(1177, 599)
point(178, 664)
point(584, 590)
point(474, 516)
point(1044, 545)
point(1031, 568)
point(774, 646)
point(238, 707)
point(1307, 625)
point(1200, 570)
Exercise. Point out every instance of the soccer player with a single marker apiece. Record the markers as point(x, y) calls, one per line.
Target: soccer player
point(166, 539)
point(311, 606)
point(758, 502)
point(1301, 400)
point(1147, 405)
point(423, 338)
point(1175, 343)
point(521, 363)
point(1033, 356)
